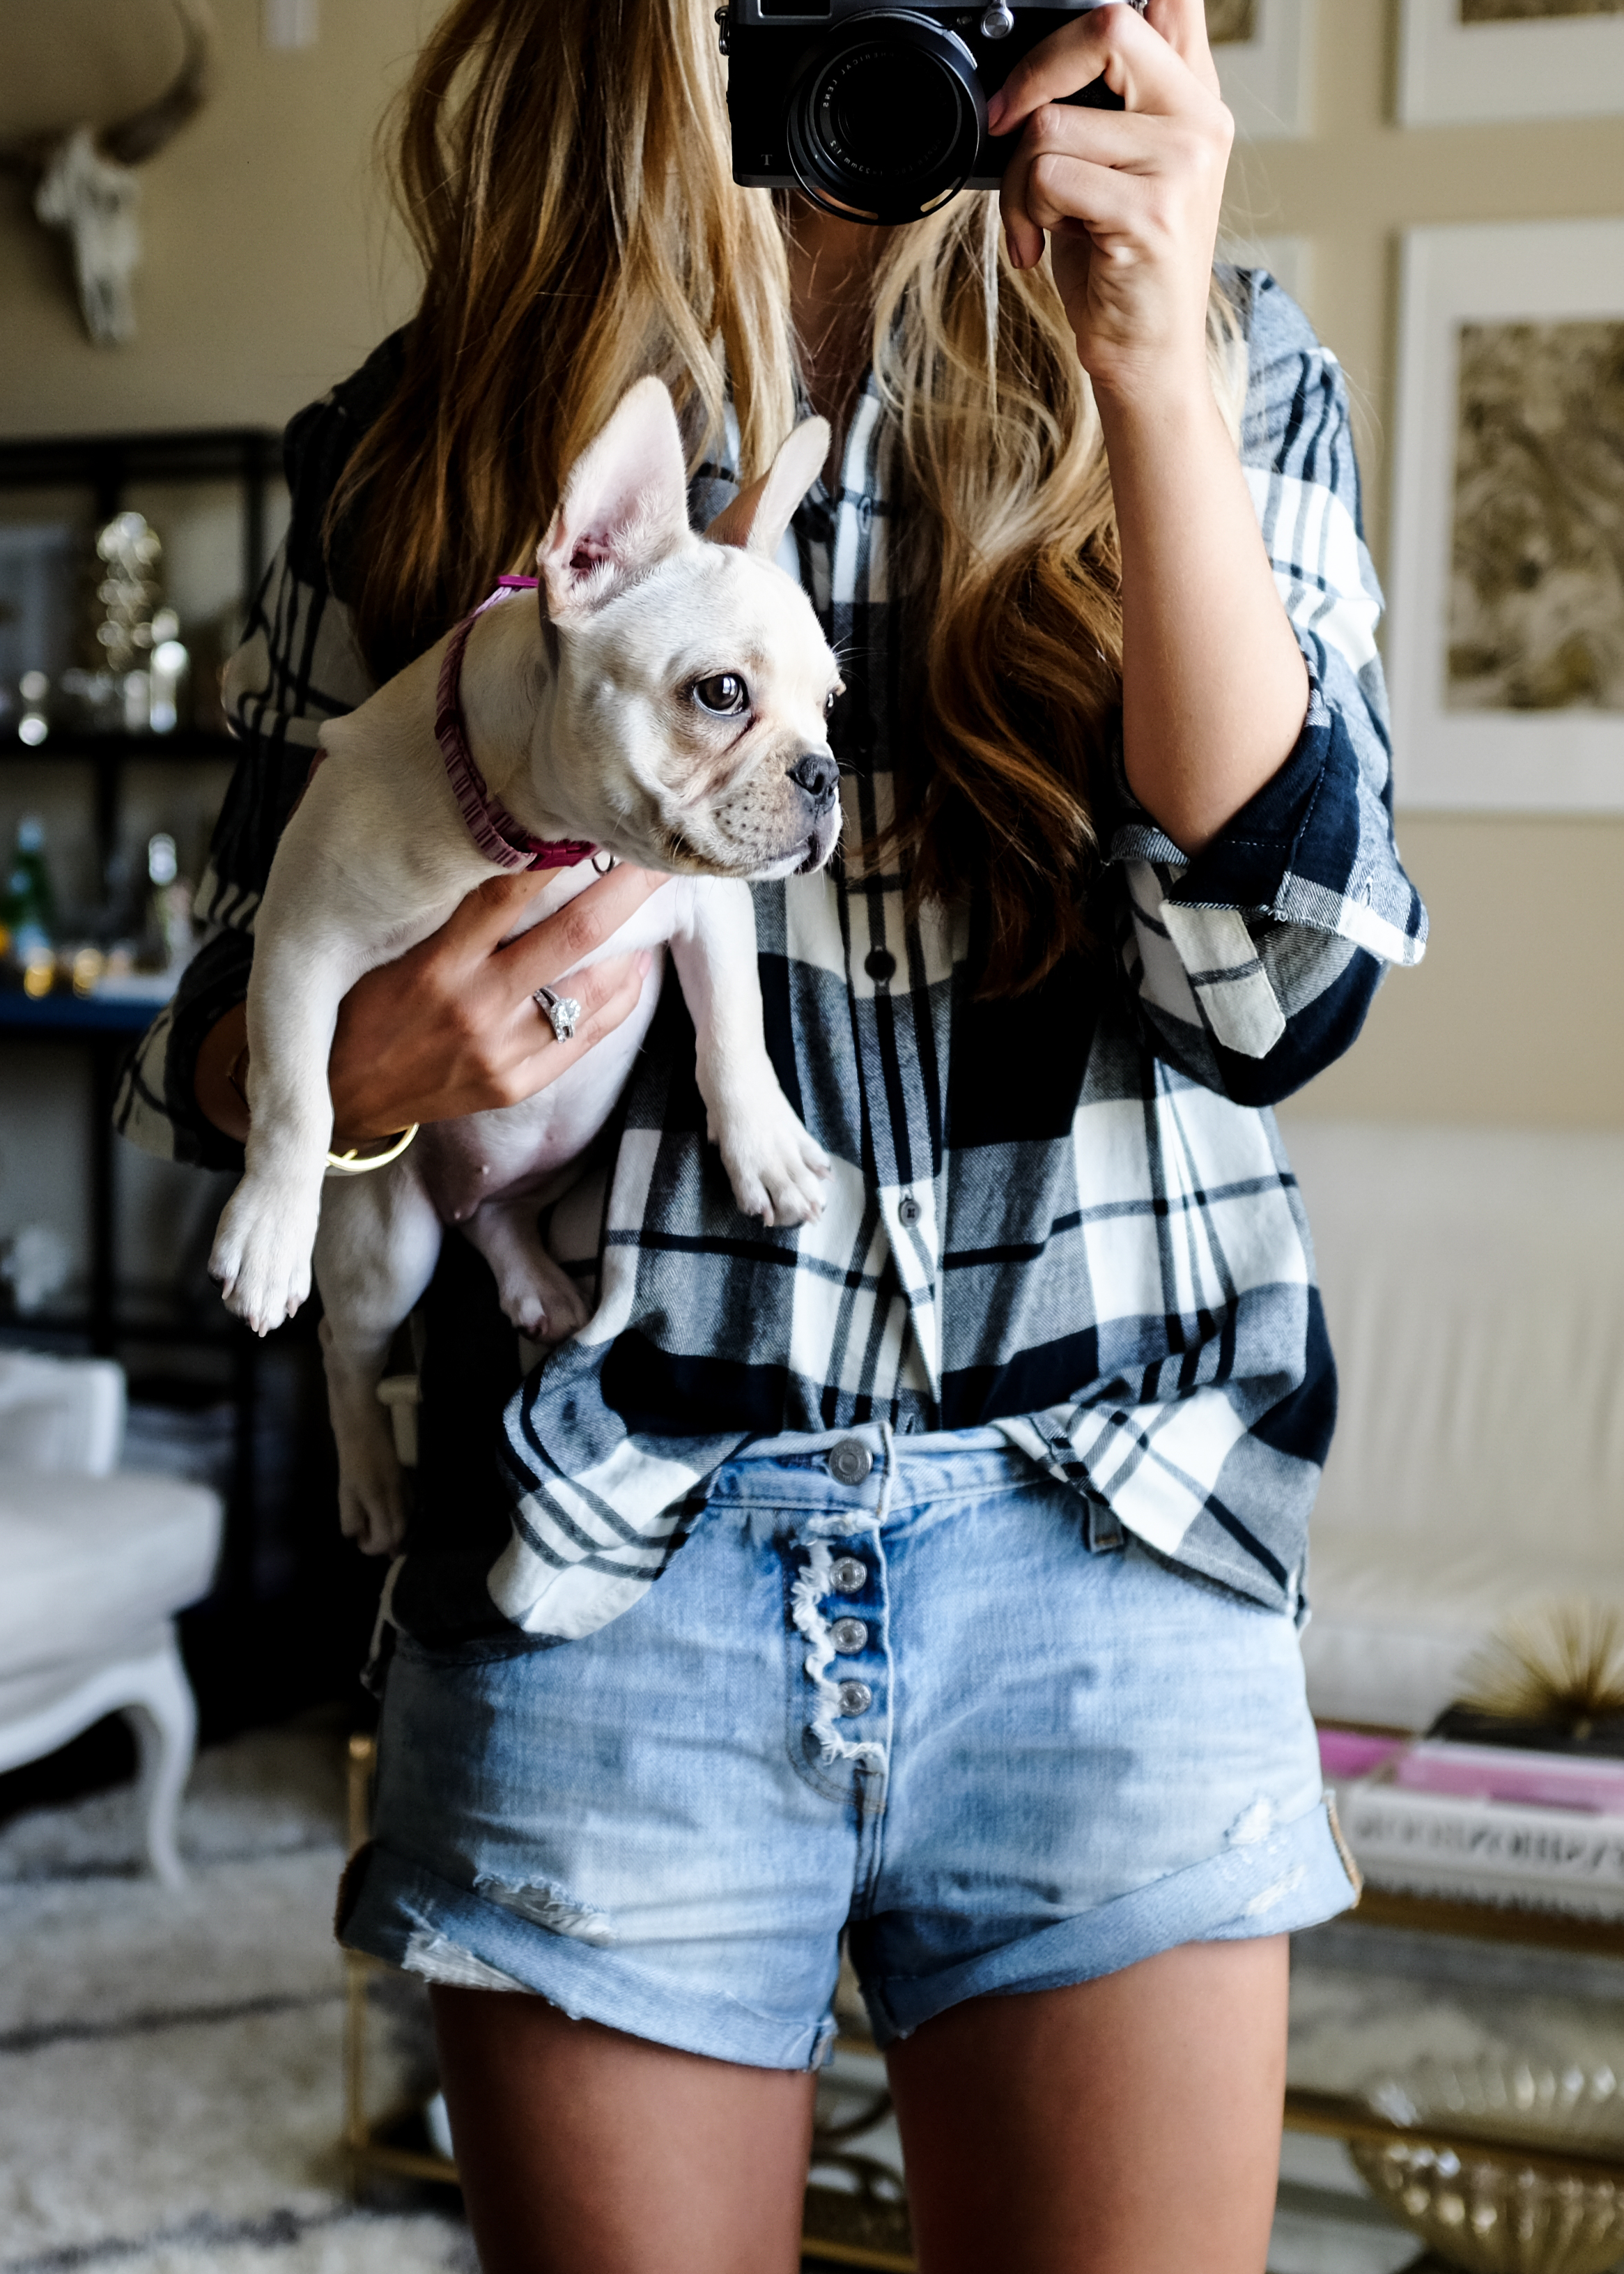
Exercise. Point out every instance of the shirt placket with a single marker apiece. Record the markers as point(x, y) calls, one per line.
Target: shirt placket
point(889, 974)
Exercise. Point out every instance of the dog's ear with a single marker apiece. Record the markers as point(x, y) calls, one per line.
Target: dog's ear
point(758, 516)
point(624, 508)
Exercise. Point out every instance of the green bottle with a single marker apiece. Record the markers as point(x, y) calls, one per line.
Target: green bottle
point(30, 907)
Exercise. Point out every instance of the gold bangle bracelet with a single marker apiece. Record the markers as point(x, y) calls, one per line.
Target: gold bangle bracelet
point(351, 1163)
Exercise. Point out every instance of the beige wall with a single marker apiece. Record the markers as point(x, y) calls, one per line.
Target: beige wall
point(1514, 1016)
point(268, 272)
point(268, 276)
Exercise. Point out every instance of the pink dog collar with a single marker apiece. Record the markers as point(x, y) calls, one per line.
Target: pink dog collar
point(493, 828)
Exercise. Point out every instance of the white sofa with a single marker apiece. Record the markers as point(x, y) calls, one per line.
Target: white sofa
point(94, 1564)
point(1473, 1289)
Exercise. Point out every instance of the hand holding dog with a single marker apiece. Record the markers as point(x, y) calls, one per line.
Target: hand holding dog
point(451, 1028)
point(1131, 198)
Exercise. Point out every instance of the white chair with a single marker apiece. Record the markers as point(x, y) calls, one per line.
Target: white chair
point(93, 1565)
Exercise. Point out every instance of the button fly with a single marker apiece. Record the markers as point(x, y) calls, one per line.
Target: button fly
point(851, 1461)
point(848, 1635)
point(855, 1697)
point(850, 1576)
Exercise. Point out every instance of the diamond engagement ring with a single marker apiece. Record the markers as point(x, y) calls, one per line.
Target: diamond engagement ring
point(562, 1009)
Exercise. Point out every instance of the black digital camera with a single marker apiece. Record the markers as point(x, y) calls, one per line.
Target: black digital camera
point(877, 109)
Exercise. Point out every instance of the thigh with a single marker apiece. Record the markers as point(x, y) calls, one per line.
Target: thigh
point(583, 2151)
point(1125, 2125)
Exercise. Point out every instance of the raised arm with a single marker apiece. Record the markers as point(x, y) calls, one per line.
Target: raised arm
point(1214, 687)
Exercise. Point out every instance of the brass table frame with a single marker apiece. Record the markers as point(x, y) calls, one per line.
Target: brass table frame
point(861, 2227)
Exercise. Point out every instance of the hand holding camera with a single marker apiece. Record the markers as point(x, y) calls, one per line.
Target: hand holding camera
point(1130, 196)
point(1098, 121)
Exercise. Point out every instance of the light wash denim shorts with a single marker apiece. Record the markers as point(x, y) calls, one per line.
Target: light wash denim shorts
point(887, 1686)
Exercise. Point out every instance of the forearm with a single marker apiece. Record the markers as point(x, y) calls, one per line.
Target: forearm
point(1214, 687)
point(217, 1096)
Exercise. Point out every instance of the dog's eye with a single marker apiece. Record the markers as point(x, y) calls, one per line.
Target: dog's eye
point(727, 695)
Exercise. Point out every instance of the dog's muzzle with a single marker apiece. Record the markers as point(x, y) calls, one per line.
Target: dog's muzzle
point(563, 1011)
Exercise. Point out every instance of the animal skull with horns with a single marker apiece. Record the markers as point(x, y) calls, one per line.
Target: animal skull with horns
point(85, 181)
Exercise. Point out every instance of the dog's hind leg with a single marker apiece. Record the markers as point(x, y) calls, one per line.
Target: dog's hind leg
point(375, 1253)
point(538, 1296)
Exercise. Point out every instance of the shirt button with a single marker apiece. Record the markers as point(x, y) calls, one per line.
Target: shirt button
point(881, 965)
point(851, 1461)
point(850, 1576)
point(848, 1635)
point(855, 1697)
point(907, 1209)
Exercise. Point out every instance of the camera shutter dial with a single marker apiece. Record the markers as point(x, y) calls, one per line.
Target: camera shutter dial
point(886, 118)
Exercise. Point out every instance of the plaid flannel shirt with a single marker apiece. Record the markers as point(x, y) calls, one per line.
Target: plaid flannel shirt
point(1069, 1215)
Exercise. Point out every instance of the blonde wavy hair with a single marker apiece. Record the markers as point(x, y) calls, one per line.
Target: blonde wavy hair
point(564, 167)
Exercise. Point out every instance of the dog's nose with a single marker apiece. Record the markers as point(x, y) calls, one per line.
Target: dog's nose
point(817, 775)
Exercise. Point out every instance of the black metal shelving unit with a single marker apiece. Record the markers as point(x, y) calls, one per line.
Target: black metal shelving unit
point(105, 467)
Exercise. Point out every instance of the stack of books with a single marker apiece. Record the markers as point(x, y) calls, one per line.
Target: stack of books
point(1474, 1822)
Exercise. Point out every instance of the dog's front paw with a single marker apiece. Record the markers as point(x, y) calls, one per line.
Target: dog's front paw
point(777, 1170)
point(262, 1255)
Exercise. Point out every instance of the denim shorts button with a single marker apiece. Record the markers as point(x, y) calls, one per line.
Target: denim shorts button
point(848, 1635)
point(855, 1697)
point(907, 1209)
point(851, 1461)
point(850, 1576)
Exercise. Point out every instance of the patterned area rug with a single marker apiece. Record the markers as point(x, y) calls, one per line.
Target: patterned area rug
point(169, 2063)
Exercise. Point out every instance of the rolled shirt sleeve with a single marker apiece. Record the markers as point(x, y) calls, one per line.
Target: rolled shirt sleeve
point(1255, 962)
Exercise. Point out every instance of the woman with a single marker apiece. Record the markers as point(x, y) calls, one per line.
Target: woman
point(990, 1490)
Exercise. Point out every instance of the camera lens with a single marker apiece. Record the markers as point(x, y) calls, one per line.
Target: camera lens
point(885, 121)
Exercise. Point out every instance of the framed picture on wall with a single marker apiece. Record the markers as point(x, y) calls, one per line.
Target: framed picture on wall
point(1506, 622)
point(1265, 53)
point(1481, 59)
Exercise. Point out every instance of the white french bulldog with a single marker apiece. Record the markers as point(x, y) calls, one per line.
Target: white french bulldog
point(665, 702)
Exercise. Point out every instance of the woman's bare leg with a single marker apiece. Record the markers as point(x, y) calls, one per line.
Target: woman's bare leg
point(585, 2151)
point(1128, 2126)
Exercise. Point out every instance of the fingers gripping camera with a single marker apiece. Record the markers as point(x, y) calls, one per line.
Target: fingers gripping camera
point(876, 108)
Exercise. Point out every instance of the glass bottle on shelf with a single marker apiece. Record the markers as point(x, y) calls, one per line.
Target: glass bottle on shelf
point(28, 908)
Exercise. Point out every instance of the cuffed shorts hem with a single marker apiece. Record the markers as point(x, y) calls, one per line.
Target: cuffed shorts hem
point(1293, 1879)
point(410, 1917)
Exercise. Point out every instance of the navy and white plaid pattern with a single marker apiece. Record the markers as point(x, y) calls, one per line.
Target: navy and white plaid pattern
point(1068, 1214)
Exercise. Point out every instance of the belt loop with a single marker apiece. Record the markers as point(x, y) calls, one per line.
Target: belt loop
point(1102, 1528)
point(888, 1449)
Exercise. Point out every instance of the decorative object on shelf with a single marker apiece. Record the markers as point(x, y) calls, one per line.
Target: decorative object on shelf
point(1527, 2103)
point(29, 905)
point(35, 1265)
point(1556, 1676)
point(1491, 2213)
point(33, 720)
point(169, 904)
point(1265, 53)
point(1487, 59)
point(1492, 2210)
point(136, 688)
point(1506, 644)
point(86, 180)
